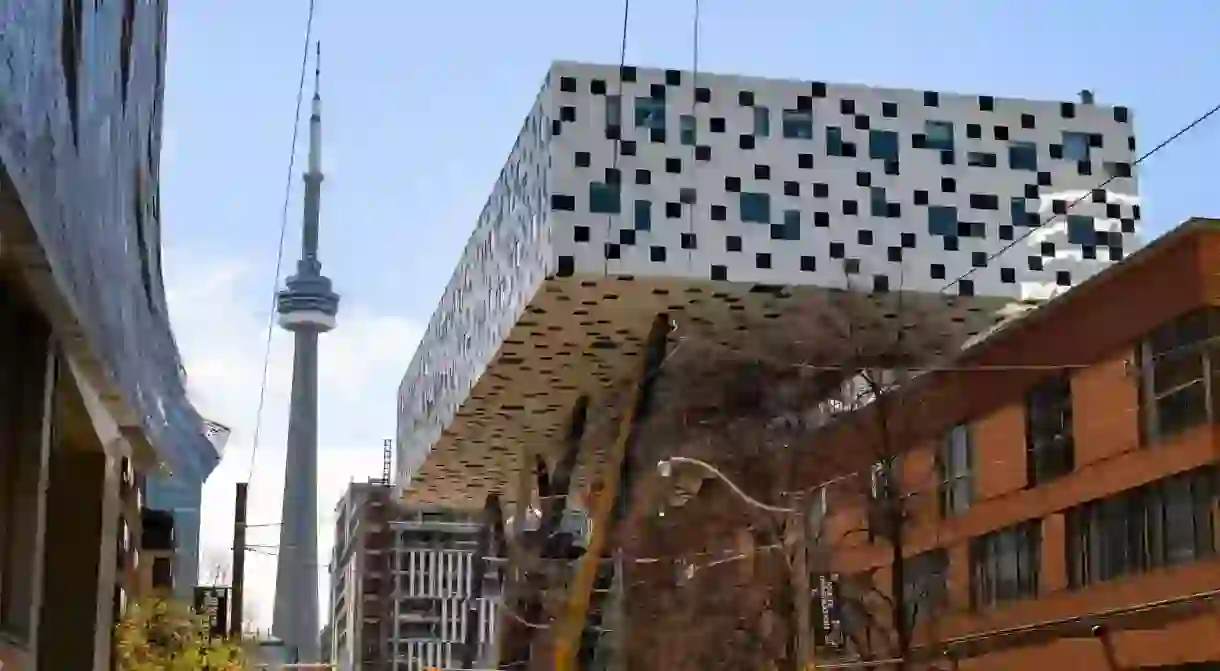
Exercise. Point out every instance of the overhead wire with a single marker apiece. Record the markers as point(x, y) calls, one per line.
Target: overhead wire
point(279, 251)
point(1088, 194)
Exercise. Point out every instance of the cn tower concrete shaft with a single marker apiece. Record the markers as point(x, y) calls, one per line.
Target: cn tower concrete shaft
point(307, 307)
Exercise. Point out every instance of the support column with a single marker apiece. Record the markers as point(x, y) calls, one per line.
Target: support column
point(569, 627)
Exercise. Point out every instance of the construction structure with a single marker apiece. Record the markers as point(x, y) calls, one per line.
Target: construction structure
point(92, 393)
point(307, 307)
point(408, 590)
point(650, 221)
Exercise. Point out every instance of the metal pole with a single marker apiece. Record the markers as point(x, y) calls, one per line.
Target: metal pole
point(800, 568)
point(239, 559)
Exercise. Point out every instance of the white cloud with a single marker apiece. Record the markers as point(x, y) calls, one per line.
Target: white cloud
point(219, 311)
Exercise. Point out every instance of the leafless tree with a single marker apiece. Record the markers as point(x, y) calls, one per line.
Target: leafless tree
point(760, 414)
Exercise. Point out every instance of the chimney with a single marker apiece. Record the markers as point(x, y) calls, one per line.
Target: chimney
point(1086, 97)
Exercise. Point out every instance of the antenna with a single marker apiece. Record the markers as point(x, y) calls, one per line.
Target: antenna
point(317, 68)
point(386, 458)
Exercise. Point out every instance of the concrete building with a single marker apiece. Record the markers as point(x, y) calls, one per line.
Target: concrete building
point(740, 212)
point(661, 192)
point(1063, 511)
point(92, 400)
point(402, 581)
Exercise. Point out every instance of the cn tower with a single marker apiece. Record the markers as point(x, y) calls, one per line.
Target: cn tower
point(307, 307)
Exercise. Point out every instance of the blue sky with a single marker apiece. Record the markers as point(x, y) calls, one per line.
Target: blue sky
point(423, 101)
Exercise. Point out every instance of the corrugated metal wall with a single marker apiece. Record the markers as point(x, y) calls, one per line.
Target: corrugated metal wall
point(80, 136)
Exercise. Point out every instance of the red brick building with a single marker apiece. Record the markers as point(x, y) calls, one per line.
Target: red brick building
point(1060, 480)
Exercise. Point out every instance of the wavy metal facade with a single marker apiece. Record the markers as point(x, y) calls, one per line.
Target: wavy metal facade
point(81, 87)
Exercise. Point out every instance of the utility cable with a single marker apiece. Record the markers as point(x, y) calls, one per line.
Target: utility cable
point(279, 252)
point(622, 124)
point(1164, 143)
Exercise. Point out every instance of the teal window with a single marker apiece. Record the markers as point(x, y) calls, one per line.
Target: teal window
point(605, 198)
point(1023, 156)
point(939, 135)
point(756, 207)
point(1076, 146)
point(798, 124)
point(686, 125)
point(942, 220)
point(643, 215)
point(650, 113)
point(762, 122)
point(614, 110)
point(834, 141)
point(883, 144)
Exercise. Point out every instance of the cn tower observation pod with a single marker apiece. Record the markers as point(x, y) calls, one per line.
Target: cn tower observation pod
point(740, 207)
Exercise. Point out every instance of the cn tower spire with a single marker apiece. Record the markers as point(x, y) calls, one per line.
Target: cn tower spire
point(307, 307)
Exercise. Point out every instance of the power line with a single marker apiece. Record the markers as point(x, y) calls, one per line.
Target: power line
point(618, 137)
point(279, 252)
point(1164, 143)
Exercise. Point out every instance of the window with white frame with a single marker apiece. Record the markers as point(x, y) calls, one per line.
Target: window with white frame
point(1179, 367)
point(954, 463)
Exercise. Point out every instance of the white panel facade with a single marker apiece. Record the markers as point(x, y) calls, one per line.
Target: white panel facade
point(658, 173)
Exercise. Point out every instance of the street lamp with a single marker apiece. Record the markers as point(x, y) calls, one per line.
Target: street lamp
point(665, 469)
point(800, 570)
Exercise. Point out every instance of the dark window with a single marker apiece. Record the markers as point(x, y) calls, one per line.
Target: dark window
point(563, 203)
point(798, 124)
point(974, 131)
point(582, 159)
point(984, 201)
point(925, 585)
point(716, 124)
point(720, 213)
point(986, 103)
point(703, 95)
point(1023, 156)
point(163, 568)
point(1163, 523)
point(762, 172)
point(673, 210)
point(756, 207)
point(732, 243)
point(604, 198)
point(889, 110)
point(1181, 368)
point(804, 161)
point(883, 144)
point(931, 98)
point(954, 463)
point(643, 176)
point(1049, 447)
point(1004, 564)
point(1028, 121)
point(673, 165)
point(980, 159)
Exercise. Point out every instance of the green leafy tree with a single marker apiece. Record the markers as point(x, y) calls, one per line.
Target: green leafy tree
point(162, 635)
